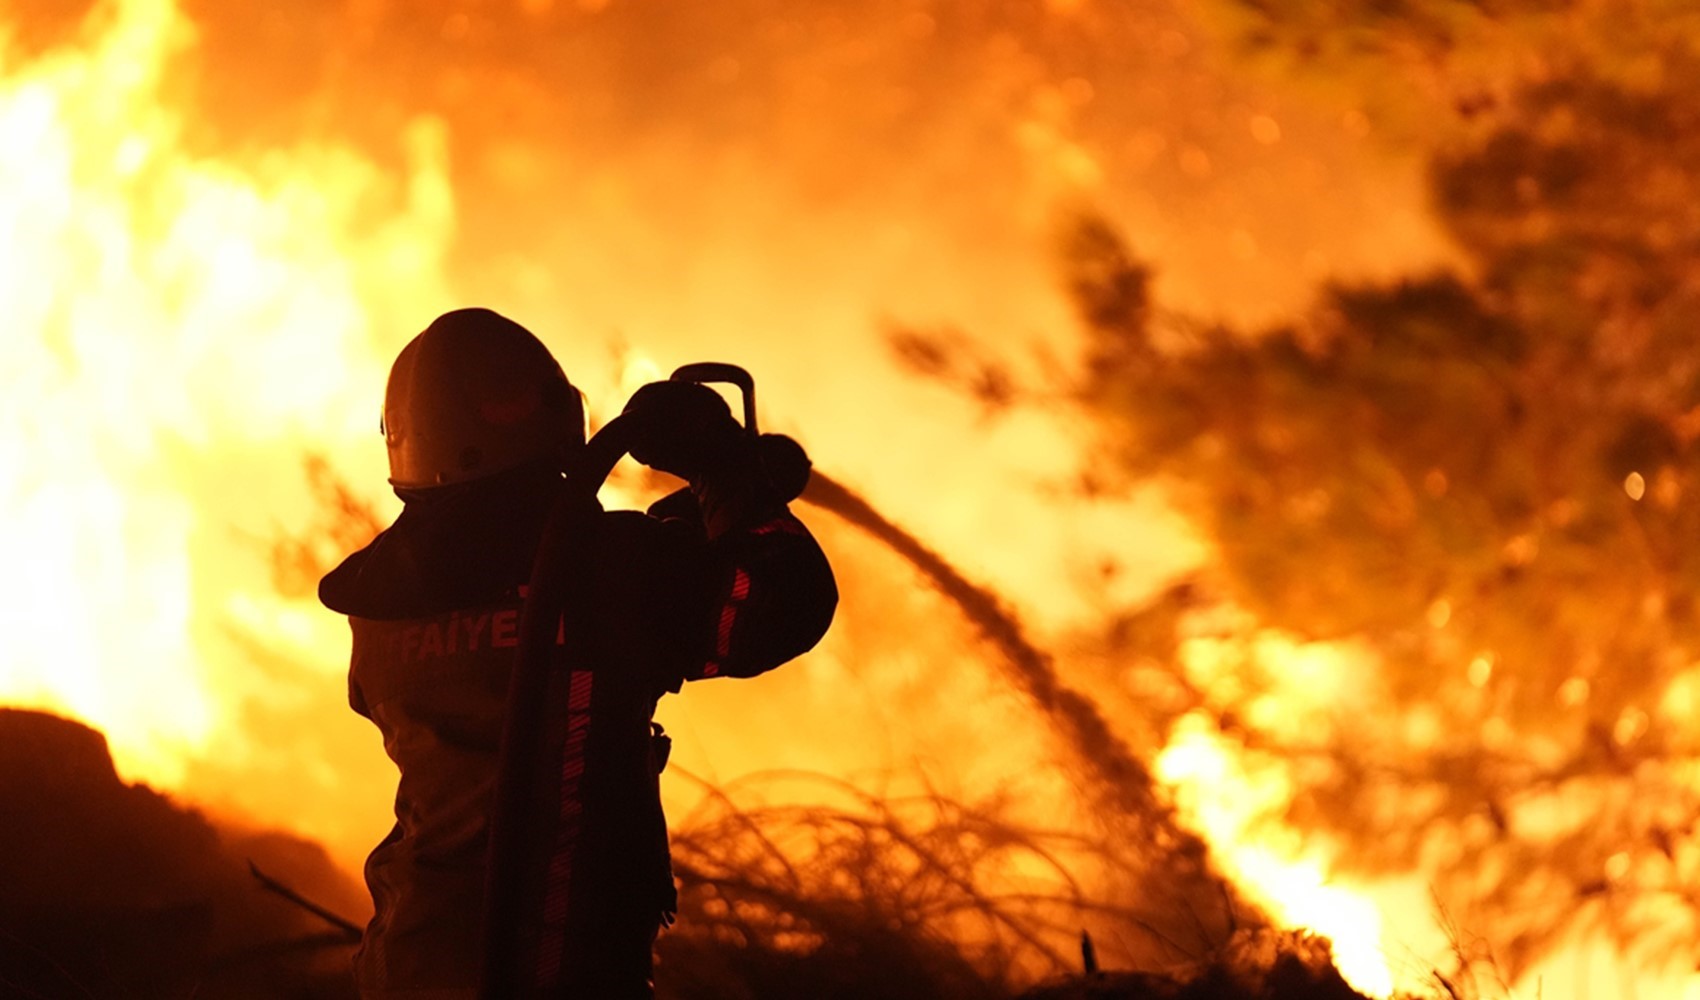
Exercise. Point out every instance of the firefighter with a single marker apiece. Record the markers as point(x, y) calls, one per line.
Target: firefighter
point(717, 580)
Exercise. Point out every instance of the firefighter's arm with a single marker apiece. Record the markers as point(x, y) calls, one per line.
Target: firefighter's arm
point(770, 596)
point(755, 588)
point(758, 593)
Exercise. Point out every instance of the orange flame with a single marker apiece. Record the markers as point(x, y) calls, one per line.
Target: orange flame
point(1233, 807)
point(183, 326)
point(178, 324)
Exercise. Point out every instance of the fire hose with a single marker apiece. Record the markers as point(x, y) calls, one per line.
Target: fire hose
point(556, 600)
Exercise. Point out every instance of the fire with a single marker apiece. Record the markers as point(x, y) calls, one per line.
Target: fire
point(1234, 806)
point(180, 326)
point(185, 325)
point(1237, 804)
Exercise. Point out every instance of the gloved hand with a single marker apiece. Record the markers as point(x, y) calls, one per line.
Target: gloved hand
point(786, 464)
point(681, 427)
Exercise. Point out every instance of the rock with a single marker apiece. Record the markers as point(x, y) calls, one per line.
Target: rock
point(108, 889)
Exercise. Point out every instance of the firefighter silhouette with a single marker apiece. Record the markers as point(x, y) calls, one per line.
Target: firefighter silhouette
point(486, 448)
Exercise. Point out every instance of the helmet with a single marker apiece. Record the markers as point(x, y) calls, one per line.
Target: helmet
point(474, 395)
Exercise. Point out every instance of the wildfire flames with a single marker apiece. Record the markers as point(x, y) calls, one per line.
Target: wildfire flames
point(180, 325)
point(194, 317)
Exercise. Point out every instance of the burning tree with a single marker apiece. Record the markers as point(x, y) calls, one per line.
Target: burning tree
point(1477, 482)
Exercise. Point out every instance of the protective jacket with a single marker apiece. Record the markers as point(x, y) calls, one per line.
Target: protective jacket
point(719, 580)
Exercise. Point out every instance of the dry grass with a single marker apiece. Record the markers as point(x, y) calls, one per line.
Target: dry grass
point(922, 896)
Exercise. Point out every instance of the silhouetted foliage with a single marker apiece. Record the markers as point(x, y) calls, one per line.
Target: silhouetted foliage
point(1254, 966)
point(1455, 51)
point(343, 523)
point(940, 355)
point(925, 897)
point(888, 898)
point(1483, 481)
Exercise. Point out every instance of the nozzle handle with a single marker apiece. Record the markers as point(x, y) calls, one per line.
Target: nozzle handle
point(704, 372)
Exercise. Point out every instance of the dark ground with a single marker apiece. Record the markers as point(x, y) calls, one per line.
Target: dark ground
point(114, 890)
